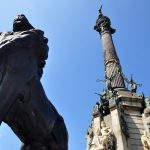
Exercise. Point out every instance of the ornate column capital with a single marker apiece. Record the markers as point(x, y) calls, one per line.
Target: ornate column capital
point(103, 23)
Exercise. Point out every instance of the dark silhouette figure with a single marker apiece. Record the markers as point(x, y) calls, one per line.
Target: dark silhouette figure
point(23, 103)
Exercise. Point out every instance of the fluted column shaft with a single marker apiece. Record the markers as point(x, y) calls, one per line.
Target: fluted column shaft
point(113, 73)
point(112, 65)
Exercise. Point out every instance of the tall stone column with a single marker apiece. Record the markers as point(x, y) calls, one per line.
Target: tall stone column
point(113, 77)
point(117, 122)
point(113, 73)
point(124, 106)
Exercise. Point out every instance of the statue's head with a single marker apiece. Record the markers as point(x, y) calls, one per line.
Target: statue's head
point(21, 23)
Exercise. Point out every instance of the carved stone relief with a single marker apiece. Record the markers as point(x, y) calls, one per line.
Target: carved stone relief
point(101, 139)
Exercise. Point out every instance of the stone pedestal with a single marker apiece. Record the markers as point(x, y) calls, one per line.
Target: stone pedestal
point(127, 121)
point(116, 128)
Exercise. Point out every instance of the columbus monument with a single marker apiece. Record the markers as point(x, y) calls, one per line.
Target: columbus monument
point(24, 106)
point(121, 118)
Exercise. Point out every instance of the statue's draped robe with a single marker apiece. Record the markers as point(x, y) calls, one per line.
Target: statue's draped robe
point(23, 103)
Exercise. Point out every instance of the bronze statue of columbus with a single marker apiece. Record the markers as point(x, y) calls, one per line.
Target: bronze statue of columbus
point(24, 106)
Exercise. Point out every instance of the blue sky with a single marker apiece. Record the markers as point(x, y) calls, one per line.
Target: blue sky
point(75, 58)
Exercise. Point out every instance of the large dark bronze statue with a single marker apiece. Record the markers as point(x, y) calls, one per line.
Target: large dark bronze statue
point(23, 103)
